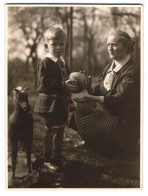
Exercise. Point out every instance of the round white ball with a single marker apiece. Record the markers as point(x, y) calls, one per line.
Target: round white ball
point(79, 80)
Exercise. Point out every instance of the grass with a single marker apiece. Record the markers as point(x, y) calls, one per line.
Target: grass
point(85, 168)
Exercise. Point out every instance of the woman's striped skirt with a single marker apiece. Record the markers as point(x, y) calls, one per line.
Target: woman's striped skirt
point(96, 126)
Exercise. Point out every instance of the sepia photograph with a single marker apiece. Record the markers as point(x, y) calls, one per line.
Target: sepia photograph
point(74, 87)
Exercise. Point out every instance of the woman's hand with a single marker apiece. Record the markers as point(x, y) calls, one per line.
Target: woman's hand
point(89, 98)
point(82, 99)
point(85, 98)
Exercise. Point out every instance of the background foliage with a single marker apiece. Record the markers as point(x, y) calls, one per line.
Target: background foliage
point(87, 29)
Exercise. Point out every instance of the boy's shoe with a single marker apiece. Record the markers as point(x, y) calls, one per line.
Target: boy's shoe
point(51, 167)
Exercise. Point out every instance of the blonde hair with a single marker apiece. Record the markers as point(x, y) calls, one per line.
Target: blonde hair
point(55, 32)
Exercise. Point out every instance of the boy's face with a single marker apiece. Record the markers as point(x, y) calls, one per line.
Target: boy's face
point(57, 47)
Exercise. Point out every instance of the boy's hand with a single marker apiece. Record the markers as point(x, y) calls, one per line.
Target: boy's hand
point(71, 88)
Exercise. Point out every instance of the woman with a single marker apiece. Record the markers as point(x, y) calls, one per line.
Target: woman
point(118, 91)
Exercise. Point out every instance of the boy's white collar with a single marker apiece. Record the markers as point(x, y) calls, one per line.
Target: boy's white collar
point(55, 59)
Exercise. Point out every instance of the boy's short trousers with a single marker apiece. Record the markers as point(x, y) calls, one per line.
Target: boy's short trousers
point(54, 120)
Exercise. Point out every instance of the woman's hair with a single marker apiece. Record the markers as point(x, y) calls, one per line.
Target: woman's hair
point(55, 32)
point(125, 39)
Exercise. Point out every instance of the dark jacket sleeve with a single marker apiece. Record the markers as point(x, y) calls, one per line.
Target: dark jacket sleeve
point(49, 77)
point(97, 88)
point(68, 70)
point(126, 91)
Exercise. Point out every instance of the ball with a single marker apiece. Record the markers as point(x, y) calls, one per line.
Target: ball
point(79, 80)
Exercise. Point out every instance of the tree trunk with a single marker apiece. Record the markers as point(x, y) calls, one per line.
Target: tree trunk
point(70, 37)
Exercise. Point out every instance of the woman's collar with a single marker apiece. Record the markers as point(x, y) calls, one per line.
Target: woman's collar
point(123, 61)
point(119, 64)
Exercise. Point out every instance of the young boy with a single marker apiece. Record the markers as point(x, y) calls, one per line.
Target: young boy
point(52, 102)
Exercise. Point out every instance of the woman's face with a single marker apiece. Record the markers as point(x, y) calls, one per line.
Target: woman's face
point(116, 49)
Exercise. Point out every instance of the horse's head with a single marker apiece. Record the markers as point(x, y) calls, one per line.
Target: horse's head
point(21, 98)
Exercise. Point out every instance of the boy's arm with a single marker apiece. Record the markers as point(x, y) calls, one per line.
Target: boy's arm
point(47, 81)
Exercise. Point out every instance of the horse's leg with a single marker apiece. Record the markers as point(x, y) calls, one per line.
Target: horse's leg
point(14, 148)
point(28, 152)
